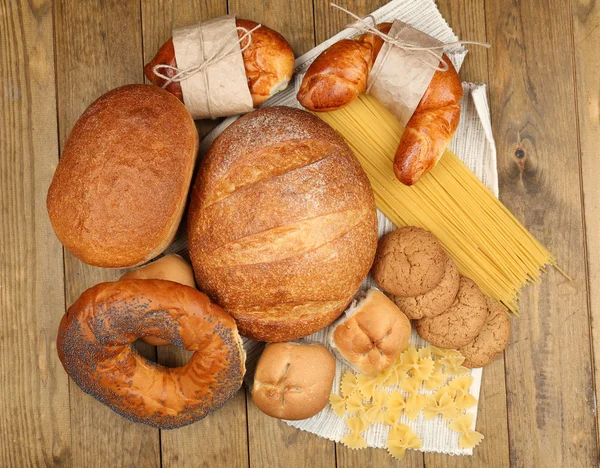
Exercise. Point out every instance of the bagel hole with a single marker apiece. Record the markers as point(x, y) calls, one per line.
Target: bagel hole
point(167, 356)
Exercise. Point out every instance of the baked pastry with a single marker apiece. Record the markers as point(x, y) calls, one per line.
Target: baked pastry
point(171, 268)
point(293, 380)
point(121, 184)
point(491, 340)
point(461, 323)
point(340, 74)
point(268, 62)
point(282, 226)
point(410, 261)
point(371, 334)
point(94, 346)
point(433, 302)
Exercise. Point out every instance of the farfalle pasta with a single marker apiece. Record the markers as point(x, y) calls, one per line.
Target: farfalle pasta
point(404, 391)
point(349, 384)
point(401, 438)
point(468, 437)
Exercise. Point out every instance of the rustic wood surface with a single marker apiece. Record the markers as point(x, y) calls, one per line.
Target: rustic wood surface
point(538, 402)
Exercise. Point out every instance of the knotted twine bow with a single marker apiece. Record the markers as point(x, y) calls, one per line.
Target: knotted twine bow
point(436, 51)
point(182, 74)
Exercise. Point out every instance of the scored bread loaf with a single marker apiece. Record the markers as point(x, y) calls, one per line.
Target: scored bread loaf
point(282, 226)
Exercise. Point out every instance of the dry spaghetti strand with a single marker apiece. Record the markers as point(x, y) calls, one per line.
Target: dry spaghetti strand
point(480, 233)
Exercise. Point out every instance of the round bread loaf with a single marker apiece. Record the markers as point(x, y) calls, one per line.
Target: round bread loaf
point(293, 380)
point(282, 226)
point(121, 185)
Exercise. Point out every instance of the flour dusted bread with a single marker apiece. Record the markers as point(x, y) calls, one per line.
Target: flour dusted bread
point(121, 184)
point(282, 227)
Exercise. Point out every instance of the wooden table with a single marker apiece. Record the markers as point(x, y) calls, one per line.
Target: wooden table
point(538, 403)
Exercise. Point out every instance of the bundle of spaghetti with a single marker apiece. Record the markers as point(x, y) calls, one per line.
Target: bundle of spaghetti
point(487, 242)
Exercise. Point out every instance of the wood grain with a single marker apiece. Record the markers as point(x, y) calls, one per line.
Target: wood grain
point(586, 37)
point(222, 438)
point(468, 22)
point(34, 393)
point(294, 20)
point(98, 47)
point(548, 374)
point(274, 444)
point(330, 21)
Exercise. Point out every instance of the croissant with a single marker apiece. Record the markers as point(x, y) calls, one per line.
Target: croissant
point(340, 74)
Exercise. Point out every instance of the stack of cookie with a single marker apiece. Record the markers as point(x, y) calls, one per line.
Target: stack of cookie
point(449, 310)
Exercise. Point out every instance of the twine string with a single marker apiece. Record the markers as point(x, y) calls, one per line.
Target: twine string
point(182, 74)
point(435, 51)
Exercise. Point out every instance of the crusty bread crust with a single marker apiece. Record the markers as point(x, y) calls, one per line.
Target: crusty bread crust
point(120, 188)
point(282, 226)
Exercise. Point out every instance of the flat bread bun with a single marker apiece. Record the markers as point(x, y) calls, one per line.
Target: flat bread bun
point(293, 380)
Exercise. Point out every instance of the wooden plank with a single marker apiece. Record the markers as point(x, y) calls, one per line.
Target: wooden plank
point(98, 47)
point(467, 19)
point(275, 444)
point(34, 390)
point(548, 373)
point(271, 442)
point(226, 429)
point(330, 21)
point(293, 20)
point(586, 35)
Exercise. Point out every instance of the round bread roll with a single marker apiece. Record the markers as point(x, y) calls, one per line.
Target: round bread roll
point(371, 334)
point(293, 380)
point(282, 226)
point(94, 347)
point(171, 268)
point(121, 184)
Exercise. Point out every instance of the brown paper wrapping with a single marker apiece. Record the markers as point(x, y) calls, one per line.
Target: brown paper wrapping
point(221, 89)
point(400, 77)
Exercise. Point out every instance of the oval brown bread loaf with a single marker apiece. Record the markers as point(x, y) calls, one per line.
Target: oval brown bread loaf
point(121, 184)
point(340, 74)
point(282, 226)
point(268, 62)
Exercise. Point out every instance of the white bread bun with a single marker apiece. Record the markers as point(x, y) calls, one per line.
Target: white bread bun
point(171, 268)
point(293, 380)
point(371, 334)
